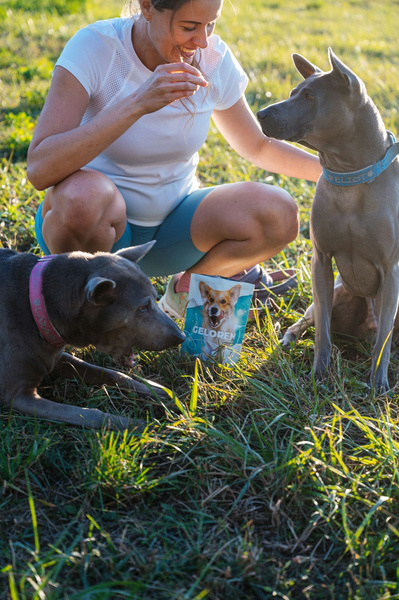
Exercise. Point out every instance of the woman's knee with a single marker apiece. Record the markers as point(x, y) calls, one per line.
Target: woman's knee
point(277, 214)
point(243, 211)
point(84, 199)
point(287, 218)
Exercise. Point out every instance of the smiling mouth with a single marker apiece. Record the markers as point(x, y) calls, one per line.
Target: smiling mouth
point(186, 51)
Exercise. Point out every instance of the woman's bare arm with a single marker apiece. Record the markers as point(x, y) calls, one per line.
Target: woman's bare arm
point(241, 130)
point(60, 145)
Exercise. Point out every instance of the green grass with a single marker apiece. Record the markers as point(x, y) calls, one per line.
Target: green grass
point(255, 483)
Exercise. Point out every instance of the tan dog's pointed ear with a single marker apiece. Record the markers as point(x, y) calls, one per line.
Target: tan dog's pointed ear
point(341, 71)
point(204, 289)
point(304, 67)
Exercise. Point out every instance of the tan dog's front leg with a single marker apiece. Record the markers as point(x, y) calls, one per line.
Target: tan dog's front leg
point(387, 306)
point(299, 327)
point(323, 291)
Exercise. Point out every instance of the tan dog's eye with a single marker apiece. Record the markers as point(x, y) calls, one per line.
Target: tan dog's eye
point(223, 301)
point(211, 299)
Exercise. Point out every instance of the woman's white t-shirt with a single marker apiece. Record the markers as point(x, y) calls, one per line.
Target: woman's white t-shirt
point(153, 163)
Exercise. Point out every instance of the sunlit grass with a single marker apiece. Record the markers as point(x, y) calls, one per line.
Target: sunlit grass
point(252, 481)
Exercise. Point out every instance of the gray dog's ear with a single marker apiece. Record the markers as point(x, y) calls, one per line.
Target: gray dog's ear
point(135, 253)
point(305, 68)
point(340, 71)
point(100, 291)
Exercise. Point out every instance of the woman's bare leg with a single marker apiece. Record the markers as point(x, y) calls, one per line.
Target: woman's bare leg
point(240, 225)
point(84, 212)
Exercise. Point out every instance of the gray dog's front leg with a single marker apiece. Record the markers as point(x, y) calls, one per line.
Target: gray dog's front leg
point(387, 305)
point(323, 292)
point(70, 367)
point(35, 406)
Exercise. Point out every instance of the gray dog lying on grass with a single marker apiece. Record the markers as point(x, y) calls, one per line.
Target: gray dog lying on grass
point(355, 214)
point(75, 299)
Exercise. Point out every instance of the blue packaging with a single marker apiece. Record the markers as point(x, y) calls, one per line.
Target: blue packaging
point(216, 317)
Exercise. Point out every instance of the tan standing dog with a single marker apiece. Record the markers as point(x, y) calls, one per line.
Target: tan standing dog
point(355, 213)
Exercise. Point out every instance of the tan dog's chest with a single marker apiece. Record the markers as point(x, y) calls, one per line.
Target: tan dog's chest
point(361, 233)
point(355, 216)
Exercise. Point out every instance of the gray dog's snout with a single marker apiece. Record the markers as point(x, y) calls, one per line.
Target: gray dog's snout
point(261, 115)
point(269, 122)
point(266, 114)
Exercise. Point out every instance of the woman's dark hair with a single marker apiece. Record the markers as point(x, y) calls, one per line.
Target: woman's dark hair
point(160, 5)
point(168, 4)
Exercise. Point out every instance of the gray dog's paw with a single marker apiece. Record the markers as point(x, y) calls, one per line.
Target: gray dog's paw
point(118, 423)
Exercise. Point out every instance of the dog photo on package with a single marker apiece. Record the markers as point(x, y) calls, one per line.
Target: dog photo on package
point(217, 313)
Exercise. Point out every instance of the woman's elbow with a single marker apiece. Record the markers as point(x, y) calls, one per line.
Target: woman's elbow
point(35, 177)
point(35, 172)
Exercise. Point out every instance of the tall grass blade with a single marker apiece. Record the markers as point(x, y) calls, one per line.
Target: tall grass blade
point(194, 391)
point(33, 515)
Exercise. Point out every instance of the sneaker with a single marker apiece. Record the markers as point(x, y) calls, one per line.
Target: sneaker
point(264, 286)
point(256, 275)
point(262, 282)
point(173, 303)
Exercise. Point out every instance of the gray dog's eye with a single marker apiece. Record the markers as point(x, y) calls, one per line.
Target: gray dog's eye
point(309, 96)
point(144, 307)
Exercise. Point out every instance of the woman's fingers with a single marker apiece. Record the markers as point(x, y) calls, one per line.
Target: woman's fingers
point(169, 83)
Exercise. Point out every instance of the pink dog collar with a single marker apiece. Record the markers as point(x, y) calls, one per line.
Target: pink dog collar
point(38, 306)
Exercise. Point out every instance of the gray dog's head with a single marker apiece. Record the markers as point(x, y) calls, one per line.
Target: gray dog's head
point(110, 303)
point(313, 114)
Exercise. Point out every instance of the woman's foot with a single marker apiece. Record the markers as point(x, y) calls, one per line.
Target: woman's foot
point(174, 303)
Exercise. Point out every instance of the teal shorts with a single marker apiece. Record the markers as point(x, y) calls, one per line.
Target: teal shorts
point(174, 250)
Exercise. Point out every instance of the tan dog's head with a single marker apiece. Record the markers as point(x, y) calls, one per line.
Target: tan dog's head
point(218, 306)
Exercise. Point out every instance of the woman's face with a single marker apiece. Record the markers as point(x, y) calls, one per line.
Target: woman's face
point(175, 37)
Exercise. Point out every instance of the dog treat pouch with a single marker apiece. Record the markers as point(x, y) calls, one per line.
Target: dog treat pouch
point(217, 313)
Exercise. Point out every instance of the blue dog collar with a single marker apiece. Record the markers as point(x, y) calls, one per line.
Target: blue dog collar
point(368, 174)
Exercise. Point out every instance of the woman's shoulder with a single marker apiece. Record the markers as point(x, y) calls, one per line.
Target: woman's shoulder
point(92, 50)
point(110, 28)
point(217, 58)
point(225, 74)
point(100, 39)
point(216, 48)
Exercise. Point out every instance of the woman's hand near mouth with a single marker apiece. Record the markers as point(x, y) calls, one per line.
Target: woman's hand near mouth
point(168, 83)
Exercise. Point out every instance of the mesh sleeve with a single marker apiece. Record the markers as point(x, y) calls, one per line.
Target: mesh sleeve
point(228, 78)
point(88, 58)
